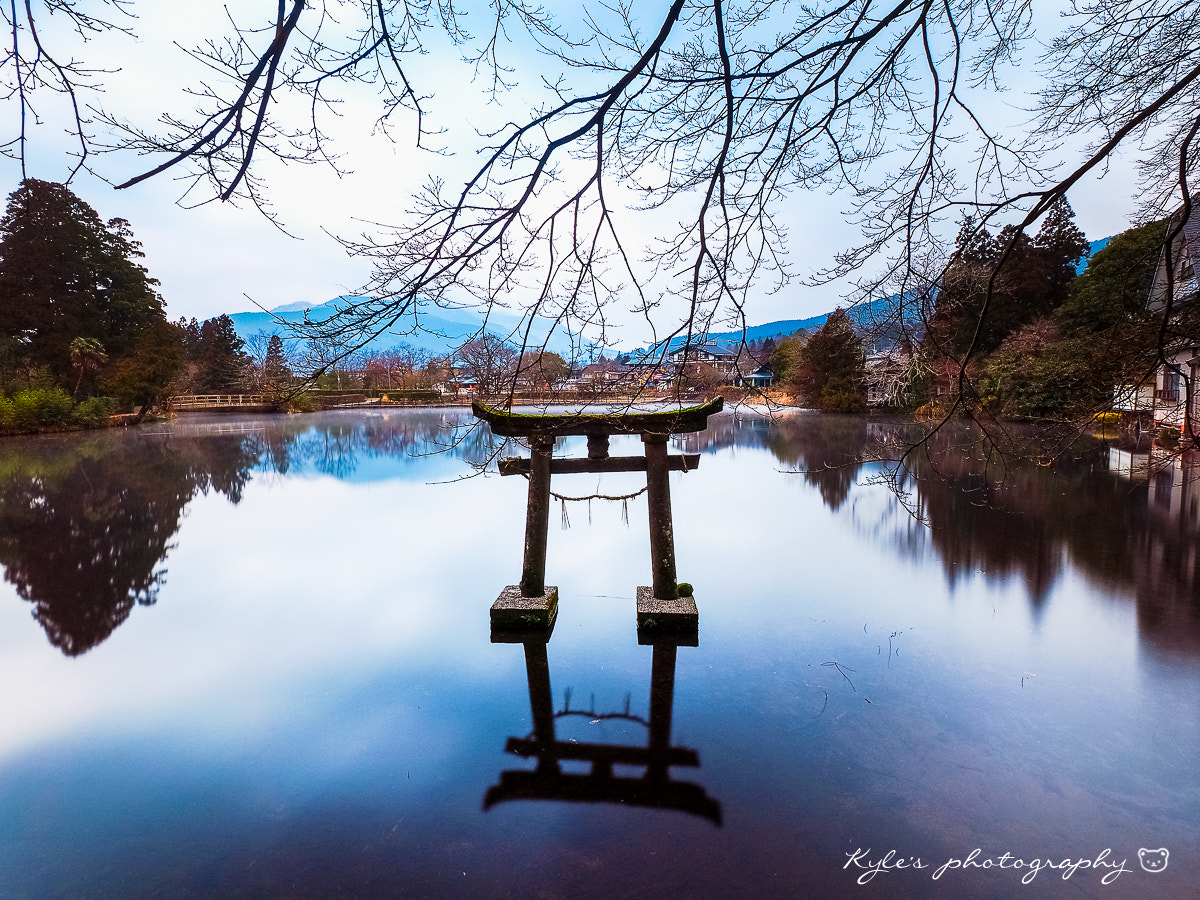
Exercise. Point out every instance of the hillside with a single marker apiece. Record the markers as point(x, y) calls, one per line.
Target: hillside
point(869, 317)
point(443, 331)
point(439, 333)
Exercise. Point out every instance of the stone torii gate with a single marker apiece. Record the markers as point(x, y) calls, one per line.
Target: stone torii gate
point(533, 604)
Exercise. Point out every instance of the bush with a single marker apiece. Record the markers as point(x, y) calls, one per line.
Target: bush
point(94, 412)
point(41, 408)
point(301, 403)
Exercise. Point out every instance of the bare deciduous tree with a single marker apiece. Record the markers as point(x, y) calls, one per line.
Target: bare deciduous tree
point(709, 114)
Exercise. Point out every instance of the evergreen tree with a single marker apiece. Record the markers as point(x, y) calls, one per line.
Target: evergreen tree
point(219, 359)
point(64, 274)
point(785, 358)
point(1017, 278)
point(831, 372)
point(275, 367)
point(151, 368)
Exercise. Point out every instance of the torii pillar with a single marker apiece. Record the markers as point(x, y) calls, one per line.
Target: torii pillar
point(533, 604)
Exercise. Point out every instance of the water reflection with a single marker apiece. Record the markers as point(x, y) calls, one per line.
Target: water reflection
point(86, 525)
point(1128, 520)
point(653, 788)
point(326, 714)
point(87, 522)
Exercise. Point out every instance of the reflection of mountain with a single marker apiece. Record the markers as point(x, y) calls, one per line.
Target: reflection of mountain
point(344, 445)
point(85, 525)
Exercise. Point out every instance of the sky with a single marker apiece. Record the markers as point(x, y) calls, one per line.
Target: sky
point(221, 258)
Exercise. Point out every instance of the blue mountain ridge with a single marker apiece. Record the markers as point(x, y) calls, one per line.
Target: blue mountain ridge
point(440, 332)
point(870, 316)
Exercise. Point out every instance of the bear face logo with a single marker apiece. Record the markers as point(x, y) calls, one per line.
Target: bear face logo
point(1153, 860)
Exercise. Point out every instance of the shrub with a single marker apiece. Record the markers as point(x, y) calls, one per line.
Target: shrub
point(301, 403)
point(94, 412)
point(41, 408)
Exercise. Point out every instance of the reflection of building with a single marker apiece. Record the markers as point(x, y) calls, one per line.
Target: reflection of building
point(653, 787)
point(1163, 555)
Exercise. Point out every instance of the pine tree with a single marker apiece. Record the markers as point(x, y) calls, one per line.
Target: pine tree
point(831, 372)
point(997, 284)
point(275, 368)
point(65, 274)
point(220, 360)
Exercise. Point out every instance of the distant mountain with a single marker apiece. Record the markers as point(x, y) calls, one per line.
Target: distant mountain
point(877, 317)
point(441, 331)
point(1093, 248)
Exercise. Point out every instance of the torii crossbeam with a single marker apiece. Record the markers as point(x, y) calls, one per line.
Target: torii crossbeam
point(532, 604)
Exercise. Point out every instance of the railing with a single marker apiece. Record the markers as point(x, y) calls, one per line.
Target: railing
point(208, 401)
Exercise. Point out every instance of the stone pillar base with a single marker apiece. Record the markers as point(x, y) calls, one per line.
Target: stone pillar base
point(513, 612)
point(654, 614)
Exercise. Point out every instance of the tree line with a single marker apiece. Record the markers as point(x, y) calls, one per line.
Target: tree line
point(83, 329)
point(84, 332)
point(1006, 327)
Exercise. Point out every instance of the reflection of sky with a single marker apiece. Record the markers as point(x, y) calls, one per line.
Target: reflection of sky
point(315, 701)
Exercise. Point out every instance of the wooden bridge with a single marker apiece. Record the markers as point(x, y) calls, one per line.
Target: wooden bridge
point(208, 402)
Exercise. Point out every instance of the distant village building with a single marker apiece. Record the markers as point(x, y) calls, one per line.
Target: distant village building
point(888, 375)
point(603, 373)
point(723, 359)
point(1171, 399)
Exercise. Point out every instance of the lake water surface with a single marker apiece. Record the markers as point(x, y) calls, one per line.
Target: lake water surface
point(251, 657)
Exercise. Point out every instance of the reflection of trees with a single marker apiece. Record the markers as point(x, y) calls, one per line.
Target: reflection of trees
point(828, 449)
point(85, 524)
point(1024, 521)
point(994, 514)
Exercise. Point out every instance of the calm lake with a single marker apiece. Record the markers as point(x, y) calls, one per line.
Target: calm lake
point(251, 657)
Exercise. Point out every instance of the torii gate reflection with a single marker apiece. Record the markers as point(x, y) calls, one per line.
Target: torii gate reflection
point(548, 782)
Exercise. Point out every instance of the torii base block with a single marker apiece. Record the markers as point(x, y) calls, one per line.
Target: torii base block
point(512, 611)
point(658, 614)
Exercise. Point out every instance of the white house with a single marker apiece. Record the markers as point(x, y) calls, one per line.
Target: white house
point(1176, 400)
point(1172, 400)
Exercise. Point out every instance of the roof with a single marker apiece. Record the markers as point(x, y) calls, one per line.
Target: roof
point(712, 349)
